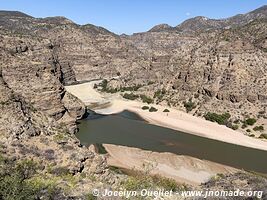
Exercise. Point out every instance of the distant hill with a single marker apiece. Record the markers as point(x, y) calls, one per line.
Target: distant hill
point(201, 23)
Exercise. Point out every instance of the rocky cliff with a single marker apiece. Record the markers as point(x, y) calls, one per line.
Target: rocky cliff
point(221, 70)
point(219, 64)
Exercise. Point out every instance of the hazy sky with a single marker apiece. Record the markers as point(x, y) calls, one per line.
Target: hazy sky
point(129, 16)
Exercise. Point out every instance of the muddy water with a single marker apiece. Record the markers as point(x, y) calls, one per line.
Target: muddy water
point(129, 129)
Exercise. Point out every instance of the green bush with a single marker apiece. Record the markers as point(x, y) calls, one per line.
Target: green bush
point(130, 88)
point(190, 105)
point(160, 94)
point(111, 90)
point(146, 99)
point(90, 196)
point(139, 180)
point(166, 110)
point(145, 108)
point(130, 96)
point(15, 180)
point(250, 121)
point(104, 85)
point(248, 130)
point(219, 118)
point(258, 128)
point(234, 127)
point(105, 88)
point(166, 183)
point(263, 135)
point(152, 109)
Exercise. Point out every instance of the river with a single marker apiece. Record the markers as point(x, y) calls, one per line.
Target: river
point(128, 129)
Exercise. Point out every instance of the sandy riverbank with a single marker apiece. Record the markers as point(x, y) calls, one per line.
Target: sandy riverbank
point(175, 119)
point(183, 169)
point(182, 121)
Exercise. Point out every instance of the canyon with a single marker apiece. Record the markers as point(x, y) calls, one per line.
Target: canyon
point(218, 65)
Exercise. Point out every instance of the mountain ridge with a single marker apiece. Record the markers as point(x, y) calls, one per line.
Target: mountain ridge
point(189, 25)
point(202, 22)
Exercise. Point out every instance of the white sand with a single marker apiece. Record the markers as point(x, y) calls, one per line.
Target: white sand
point(86, 93)
point(175, 119)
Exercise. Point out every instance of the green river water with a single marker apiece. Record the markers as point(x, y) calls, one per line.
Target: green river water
point(128, 129)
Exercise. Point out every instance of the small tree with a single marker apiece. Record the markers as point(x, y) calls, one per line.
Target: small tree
point(145, 107)
point(190, 105)
point(146, 99)
point(258, 128)
point(250, 121)
point(152, 109)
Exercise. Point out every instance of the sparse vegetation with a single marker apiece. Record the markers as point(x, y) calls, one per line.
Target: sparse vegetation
point(166, 110)
point(139, 180)
point(130, 88)
point(160, 94)
point(250, 121)
point(263, 135)
point(235, 127)
point(152, 109)
point(105, 88)
point(217, 177)
point(18, 181)
point(60, 137)
point(130, 96)
point(90, 196)
point(104, 85)
point(258, 128)
point(189, 105)
point(145, 108)
point(219, 118)
point(146, 99)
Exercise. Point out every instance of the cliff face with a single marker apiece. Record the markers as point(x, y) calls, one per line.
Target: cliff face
point(83, 52)
point(214, 68)
point(217, 63)
point(31, 69)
